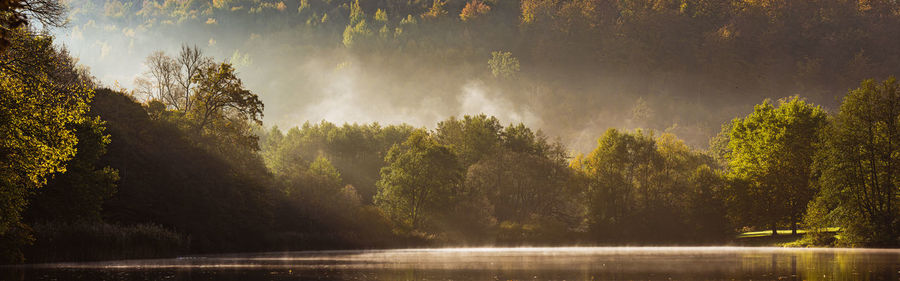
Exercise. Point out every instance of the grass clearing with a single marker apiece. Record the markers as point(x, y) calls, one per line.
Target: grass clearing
point(783, 239)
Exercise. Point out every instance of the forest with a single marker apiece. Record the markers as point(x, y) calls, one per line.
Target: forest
point(568, 67)
point(183, 162)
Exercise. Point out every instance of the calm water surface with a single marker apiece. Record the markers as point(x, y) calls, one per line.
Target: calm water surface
point(580, 263)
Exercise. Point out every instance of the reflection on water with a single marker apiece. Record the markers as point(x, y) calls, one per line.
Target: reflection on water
point(575, 263)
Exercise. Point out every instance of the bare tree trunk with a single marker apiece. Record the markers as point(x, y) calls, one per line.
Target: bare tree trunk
point(794, 225)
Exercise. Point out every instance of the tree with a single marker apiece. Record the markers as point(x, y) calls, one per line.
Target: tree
point(171, 80)
point(43, 99)
point(356, 34)
point(470, 138)
point(641, 188)
point(191, 61)
point(208, 98)
point(357, 29)
point(79, 193)
point(772, 151)
point(718, 145)
point(614, 171)
point(860, 165)
point(356, 13)
point(166, 178)
point(503, 64)
point(436, 11)
point(419, 182)
point(522, 187)
point(17, 13)
point(357, 151)
point(473, 10)
point(221, 95)
point(161, 83)
point(519, 138)
point(533, 10)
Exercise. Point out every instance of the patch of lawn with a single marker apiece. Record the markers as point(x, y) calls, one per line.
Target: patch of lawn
point(780, 232)
point(783, 239)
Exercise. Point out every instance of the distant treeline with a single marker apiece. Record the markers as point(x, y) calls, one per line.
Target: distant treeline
point(687, 65)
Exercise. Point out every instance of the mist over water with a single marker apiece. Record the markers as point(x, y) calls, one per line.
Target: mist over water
point(565, 263)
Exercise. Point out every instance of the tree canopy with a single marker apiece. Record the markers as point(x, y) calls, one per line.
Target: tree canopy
point(860, 166)
point(771, 150)
point(43, 99)
point(419, 183)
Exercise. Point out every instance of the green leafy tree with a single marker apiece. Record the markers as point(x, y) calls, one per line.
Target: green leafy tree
point(223, 107)
point(860, 166)
point(381, 16)
point(167, 178)
point(535, 10)
point(356, 34)
point(718, 145)
point(43, 99)
point(357, 151)
point(419, 183)
point(220, 93)
point(503, 64)
point(522, 187)
point(772, 151)
point(79, 193)
point(357, 29)
point(519, 138)
point(436, 11)
point(618, 167)
point(471, 138)
point(641, 188)
point(357, 15)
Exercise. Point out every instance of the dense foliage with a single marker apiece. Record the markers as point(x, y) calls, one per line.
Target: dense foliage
point(771, 154)
point(42, 100)
point(646, 188)
point(860, 167)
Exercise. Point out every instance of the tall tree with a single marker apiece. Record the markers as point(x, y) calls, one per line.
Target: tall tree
point(522, 187)
point(473, 10)
point(614, 171)
point(641, 188)
point(860, 165)
point(419, 183)
point(221, 95)
point(471, 138)
point(161, 81)
point(191, 61)
point(772, 151)
point(79, 193)
point(42, 100)
point(172, 80)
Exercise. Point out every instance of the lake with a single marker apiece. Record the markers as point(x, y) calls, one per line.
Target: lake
point(566, 263)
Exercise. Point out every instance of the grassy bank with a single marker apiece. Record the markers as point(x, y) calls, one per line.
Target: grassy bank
point(785, 238)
